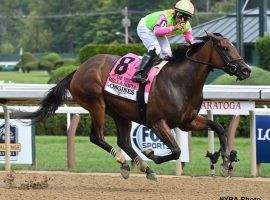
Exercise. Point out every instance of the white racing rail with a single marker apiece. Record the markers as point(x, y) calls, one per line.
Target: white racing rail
point(23, 93)
point(34, 92)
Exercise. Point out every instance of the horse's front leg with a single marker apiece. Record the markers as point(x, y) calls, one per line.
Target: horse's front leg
point(163, 132)
point(124, 142)
point(201, 123)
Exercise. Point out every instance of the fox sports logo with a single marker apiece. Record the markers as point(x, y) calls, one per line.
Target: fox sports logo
point(144, 138)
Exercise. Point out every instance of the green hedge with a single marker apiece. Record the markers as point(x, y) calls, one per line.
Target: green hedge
point(116, 49)
point(61, 72)
point(262, 47)
point(28, 62)
point(56, 125)
point(243, 129)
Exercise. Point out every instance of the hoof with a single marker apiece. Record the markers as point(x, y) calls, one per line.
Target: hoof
point(151, 176)
point(149, 153)
point(125, 170)
point(225, 170)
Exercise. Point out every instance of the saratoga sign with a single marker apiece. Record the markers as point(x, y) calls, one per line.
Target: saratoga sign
point(227, 107)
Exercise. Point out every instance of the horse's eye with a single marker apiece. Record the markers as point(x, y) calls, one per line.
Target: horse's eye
point(225, 49)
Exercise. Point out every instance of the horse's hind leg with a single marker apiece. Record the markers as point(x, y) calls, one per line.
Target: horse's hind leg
point(123, 141)
point(227, 156)
point(201, 123)
point(97, 136)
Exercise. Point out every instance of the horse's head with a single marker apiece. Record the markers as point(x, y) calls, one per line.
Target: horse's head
point(226, 57)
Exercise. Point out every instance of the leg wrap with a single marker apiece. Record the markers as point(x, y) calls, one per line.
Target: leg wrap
point(141, 164)
point(119, 157)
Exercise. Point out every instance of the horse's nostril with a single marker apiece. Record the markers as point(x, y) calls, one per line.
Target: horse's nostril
point(233, 68)
point(246, 71)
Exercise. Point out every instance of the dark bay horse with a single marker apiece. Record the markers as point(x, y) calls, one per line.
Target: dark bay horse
point(174, 100)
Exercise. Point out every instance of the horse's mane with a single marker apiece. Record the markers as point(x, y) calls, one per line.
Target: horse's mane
point(179, 53)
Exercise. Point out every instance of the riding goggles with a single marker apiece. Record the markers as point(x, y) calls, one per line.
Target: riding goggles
point(182, 16)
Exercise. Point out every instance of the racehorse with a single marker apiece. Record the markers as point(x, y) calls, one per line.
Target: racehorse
point(175, 99)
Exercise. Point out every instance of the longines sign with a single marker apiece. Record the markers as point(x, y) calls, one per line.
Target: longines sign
point(263, 138)
point(20, 142)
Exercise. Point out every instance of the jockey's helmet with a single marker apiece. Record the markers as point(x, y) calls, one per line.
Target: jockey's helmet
point(184, 7)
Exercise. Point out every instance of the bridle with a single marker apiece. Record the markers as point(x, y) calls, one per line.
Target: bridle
point(229, 66)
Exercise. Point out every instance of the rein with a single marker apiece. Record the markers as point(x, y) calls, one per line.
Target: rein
point(197, 61)
point(229, 66)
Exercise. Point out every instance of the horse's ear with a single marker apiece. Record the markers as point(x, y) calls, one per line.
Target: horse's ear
point(209, 36)
point(203, 38)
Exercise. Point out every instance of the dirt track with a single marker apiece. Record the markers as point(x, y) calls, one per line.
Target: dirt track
point(62, 185)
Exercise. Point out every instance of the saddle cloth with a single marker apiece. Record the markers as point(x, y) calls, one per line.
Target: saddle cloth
point(119, 82)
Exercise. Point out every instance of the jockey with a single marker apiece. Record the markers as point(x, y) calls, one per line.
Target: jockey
point(154, 28)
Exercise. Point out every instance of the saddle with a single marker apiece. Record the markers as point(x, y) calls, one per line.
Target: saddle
point(119, 81)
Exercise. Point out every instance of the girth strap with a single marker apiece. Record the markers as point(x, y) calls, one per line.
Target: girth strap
point(141, 102)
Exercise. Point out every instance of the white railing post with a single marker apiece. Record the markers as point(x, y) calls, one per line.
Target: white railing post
point(178, 164)
point(253, 166)
point(7, 139)
point(211, 145)
point(71, 141)
point(68, 117)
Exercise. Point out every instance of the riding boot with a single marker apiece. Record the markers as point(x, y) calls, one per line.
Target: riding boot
point(146, 59)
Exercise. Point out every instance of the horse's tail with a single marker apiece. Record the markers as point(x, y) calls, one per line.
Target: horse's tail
point(50, 103)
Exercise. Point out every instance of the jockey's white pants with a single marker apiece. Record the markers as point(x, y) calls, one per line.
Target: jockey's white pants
point(150, 41)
